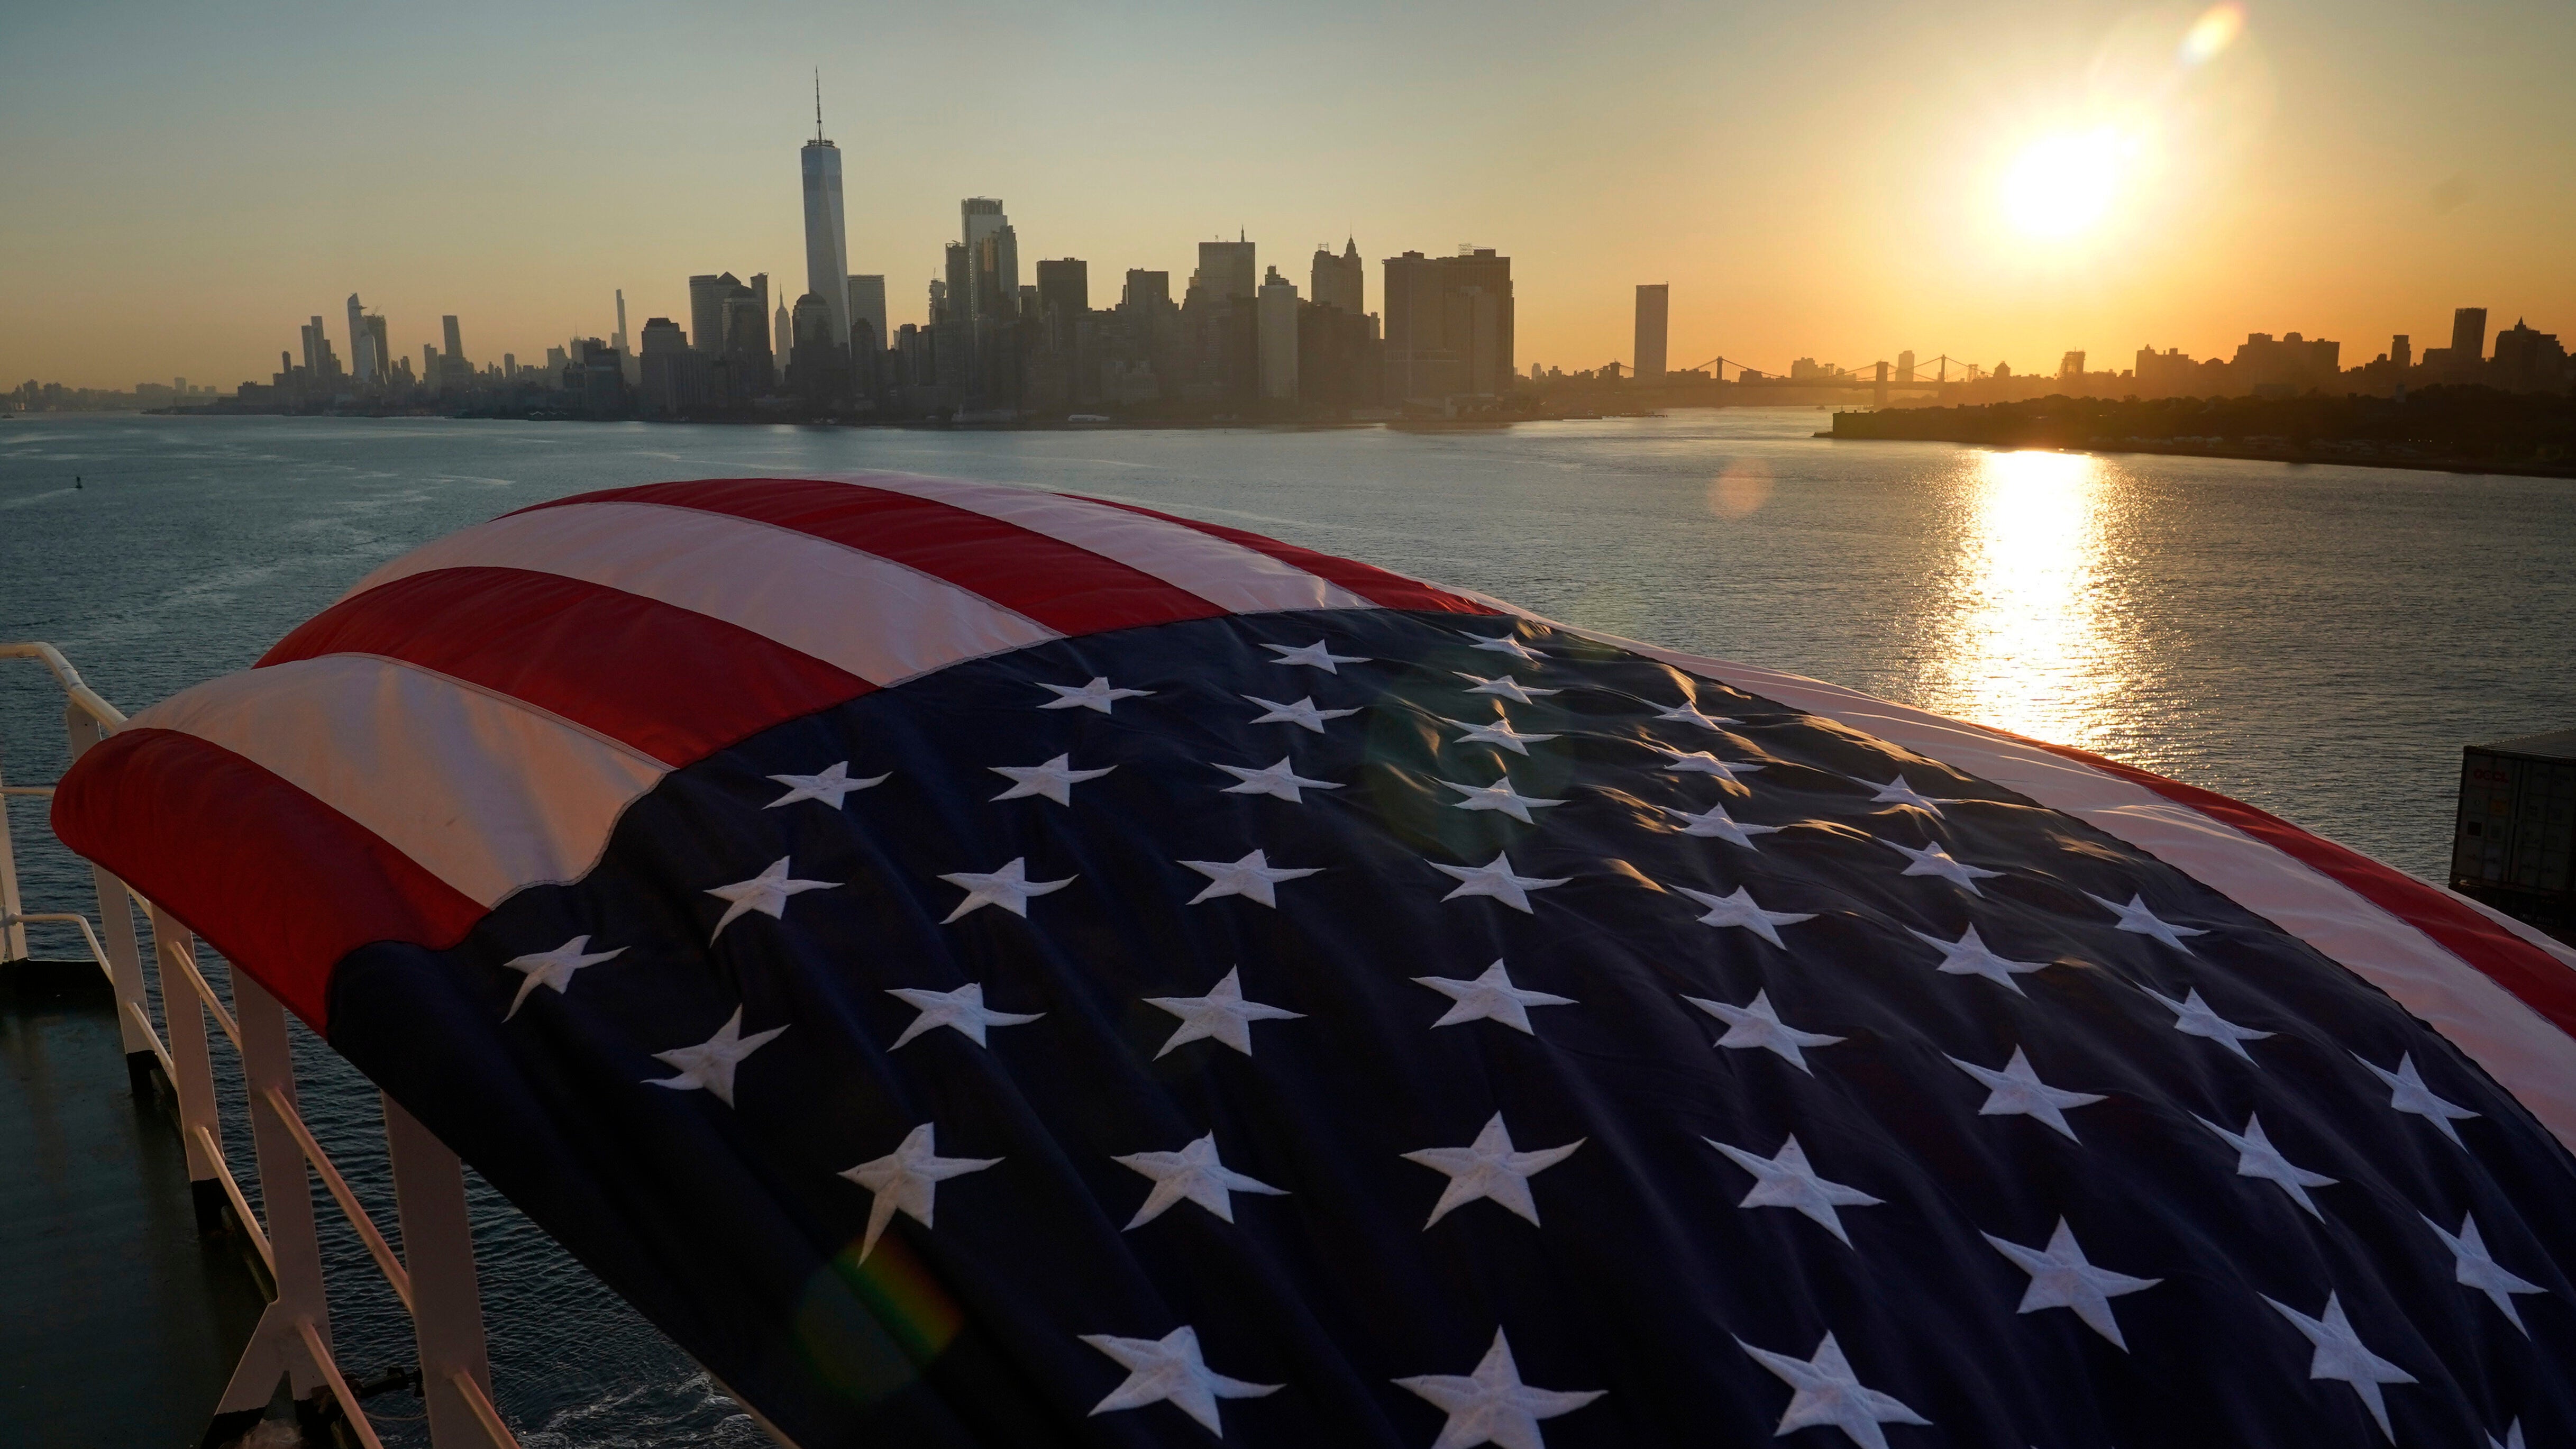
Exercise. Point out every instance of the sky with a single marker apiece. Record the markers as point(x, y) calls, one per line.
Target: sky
point(183, 184)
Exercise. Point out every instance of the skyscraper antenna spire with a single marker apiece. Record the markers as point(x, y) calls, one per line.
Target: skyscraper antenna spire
point(818, 103)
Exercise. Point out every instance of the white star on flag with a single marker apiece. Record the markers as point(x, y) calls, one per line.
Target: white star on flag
point(830, 786)
point(2061, 1278)
point(1701, 762)
point(962, 1008)
point(1498, 796)
point(1968, 956)
point(1055, 779)
point(1490, 1167)
point(1192, 1174)
point(1739, 910)
point(1902, 795)
point(1494, 878)
point(1933, 860)
point(1169, 1370)
point(2257, 1157)
point(1714, 823)
point(1009, 888)
point(1788, 1181)
point(1490, 997)
point(1687, 712)
point(1221, 1015)
point(766, 893)
point(2477, 1268)
point(1499, 734)
point(1826, 1391)
point(2193, 1017)
point(1279, 780)
point(1314, 656)
point(1303, 713)
point(1492, 1405)
point(554, 968)
point(1504, 687)
point(908, 1179)
point(2137, 918)
point(1756, 1025)
point(2340, 1355)
point(710, 1065)
point(1096, 695)
point(1252, 877)
point(1505, 645)
point(2411, 1095)
point(2017, 1090)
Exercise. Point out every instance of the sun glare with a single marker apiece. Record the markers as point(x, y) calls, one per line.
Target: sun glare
point(2062, 186)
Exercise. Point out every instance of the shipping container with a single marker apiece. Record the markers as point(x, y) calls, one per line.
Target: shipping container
point(2515, 843)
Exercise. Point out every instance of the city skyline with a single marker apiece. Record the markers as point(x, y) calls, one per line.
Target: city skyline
point(1720, 155)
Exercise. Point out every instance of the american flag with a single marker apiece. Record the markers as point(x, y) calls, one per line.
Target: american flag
point(984, 967)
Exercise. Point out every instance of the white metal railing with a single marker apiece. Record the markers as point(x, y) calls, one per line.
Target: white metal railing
point(433, 1276)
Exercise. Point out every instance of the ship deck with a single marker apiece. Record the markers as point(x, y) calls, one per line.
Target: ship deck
point(123, 1323)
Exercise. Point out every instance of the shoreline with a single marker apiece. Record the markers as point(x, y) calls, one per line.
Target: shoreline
point(2249, 455)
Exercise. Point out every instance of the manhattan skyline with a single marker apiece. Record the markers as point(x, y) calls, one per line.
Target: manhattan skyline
point(1806, 187)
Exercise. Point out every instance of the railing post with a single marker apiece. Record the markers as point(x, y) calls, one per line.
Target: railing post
point(13, 936)
point(278, 1344)
point(447, 1301)
point(115, 923)
point(192, 1070)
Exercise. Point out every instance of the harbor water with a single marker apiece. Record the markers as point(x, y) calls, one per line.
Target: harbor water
point(2317, 640)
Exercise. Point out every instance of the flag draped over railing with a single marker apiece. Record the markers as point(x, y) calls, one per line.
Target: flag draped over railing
point(978, 966)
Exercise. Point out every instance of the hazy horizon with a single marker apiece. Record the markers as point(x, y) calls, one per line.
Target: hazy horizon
point(188, 185)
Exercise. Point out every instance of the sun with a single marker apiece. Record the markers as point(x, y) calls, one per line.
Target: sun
point(2062, 186)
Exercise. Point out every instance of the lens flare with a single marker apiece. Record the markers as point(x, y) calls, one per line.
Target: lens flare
point(2213, 32)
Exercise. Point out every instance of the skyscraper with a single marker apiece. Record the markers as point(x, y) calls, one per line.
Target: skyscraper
point(383, 348)
point(454, 356)
point(984, 221)
point(783, 331)
point(1654, 311)
point(1226, 270)
point(1340, 281)
point(2468, 339)
point(1277, 320)
point(619, 340)
point(362, 352)
point(868, 306)
point(1449, 325)
point(827, 249)
point(706, 310)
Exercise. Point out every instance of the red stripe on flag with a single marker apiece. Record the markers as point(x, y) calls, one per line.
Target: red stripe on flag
point(1378, 586)
point(668, 681)
point(2534, 977)
point(1064, 587)
point(284, 901)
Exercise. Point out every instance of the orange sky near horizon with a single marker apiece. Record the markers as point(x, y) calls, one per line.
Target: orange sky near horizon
point(1998, 182)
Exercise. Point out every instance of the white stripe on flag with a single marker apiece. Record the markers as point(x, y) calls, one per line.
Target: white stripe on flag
point(485, 793)
point(880, 620)
point(1228, 575)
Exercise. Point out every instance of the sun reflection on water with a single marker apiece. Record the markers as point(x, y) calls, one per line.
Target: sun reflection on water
point(2026, 639)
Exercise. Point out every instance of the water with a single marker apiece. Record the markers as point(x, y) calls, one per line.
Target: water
point(2317, 640)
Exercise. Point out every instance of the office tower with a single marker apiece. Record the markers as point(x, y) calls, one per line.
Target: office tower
point(1226, 270)
point(1905, 365)
point(2468, 338)
point(985, 223)
point(817, 370)
point(1654, 317)
point(1339, 281)
point(2071, 366)
point(868, 309)
point(1064, 288)
point(312, 364)
point(1146, 289)
point(2401, 350)
point(674, 374)
point(455, 342)
point(827, 245)
point(1449, 325)
point(429, 374)
point(783, 331)
point(362, 352)
point(618, 340)
point(706, 310)
point(1276, 311)
point(2525, 360)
